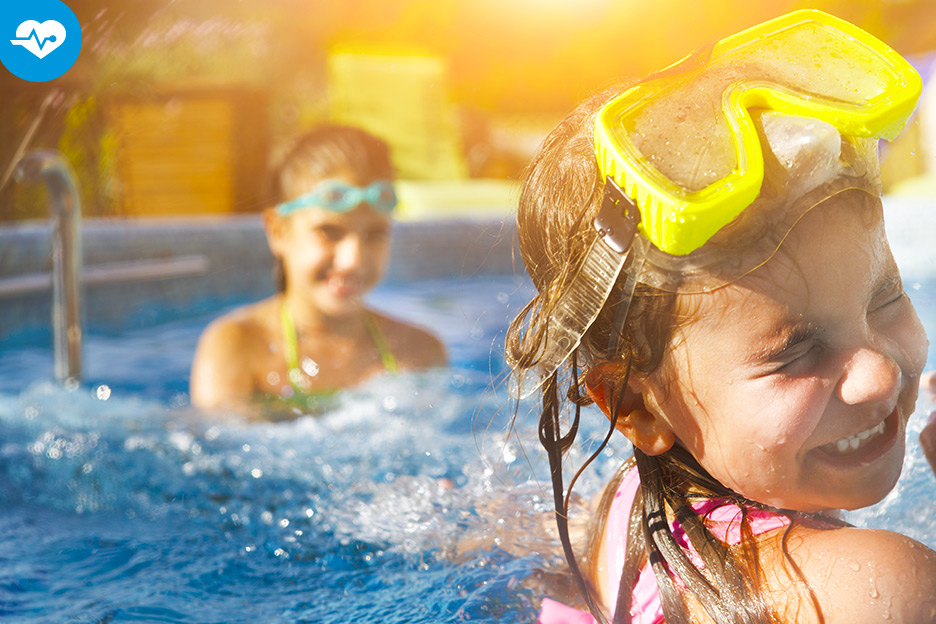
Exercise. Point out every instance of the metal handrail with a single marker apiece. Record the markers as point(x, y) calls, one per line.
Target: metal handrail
point(112, 273)
point(51, 168)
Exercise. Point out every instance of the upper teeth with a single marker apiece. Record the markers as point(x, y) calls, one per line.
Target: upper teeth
point(853, 442)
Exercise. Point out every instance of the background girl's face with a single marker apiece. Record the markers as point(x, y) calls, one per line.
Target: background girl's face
point(332, 259)
point(793, 386)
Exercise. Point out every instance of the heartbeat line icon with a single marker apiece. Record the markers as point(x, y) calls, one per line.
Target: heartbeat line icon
point(40, 39)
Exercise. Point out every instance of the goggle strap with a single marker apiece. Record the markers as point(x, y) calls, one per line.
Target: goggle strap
point(369, 195)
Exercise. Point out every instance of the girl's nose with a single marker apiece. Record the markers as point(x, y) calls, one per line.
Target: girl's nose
point(349, 253)
point(871, 375)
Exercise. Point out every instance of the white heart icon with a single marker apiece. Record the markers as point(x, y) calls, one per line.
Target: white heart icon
point(40, 39)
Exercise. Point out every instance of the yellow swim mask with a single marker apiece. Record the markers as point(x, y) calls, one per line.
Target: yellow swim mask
point(806, 63)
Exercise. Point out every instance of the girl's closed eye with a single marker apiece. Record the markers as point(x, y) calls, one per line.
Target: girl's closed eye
point(887, 297)
point(786, 363)
point(377, 234)
point(799, 359)
point(790, 354)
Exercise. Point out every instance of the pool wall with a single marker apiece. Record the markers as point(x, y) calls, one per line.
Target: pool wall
point(148, 267)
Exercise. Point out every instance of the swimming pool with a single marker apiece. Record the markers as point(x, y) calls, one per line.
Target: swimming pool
point(120, 505)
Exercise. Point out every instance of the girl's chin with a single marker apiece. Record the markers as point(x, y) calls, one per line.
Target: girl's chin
point(334, 299)
point(335, 306)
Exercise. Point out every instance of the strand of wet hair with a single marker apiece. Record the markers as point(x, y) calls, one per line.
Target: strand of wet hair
point(711, 593)
point(658, 539)
point(575, 396)
point(556, 444)
point(726, 575)
point(722, 596)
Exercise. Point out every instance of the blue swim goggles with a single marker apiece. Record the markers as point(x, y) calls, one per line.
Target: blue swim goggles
point(339, 196)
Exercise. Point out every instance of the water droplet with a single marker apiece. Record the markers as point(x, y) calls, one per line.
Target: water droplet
point(509, 454)
point(102, 392)
point(310, 367)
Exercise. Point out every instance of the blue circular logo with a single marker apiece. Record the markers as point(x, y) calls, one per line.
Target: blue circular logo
point(39, 39)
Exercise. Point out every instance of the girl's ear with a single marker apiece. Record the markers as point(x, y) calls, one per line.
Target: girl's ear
point(275, 226)
point(646, 430)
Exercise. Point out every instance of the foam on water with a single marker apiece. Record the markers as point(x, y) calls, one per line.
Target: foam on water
point(410, 498)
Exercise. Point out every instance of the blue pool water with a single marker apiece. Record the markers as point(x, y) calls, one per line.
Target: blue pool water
point(118, 504)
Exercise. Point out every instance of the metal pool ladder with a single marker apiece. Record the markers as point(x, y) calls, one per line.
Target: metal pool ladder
point(50, 168)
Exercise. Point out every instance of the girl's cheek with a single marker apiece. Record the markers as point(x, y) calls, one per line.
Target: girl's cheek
point(788, 413)
point(915, 346)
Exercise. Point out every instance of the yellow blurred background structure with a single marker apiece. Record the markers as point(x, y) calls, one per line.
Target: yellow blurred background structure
point(177, 107)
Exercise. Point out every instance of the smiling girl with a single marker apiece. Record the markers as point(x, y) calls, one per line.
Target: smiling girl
point(330, 236)
point(713, 274)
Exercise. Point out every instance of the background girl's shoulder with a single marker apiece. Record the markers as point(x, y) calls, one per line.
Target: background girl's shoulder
point(249, 320)
point(856, 575)
point(414, 346)
point(240, 335)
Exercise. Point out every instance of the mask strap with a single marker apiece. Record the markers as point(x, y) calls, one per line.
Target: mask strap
point(632, 272)
point(577, 308)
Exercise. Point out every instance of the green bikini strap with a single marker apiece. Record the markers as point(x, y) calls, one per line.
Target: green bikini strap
point(290, 338)
point(386, 356)
point(291, 342)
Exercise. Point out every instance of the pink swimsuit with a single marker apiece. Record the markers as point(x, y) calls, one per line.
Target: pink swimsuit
point(723, 520)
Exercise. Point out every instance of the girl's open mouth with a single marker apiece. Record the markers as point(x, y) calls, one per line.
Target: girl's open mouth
point(867, 445)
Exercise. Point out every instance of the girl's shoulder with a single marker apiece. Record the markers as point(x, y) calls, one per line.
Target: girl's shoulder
point(413, 346)
point(854, 575)
point(231, 353)
point(247, 322)
point(240, 336)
